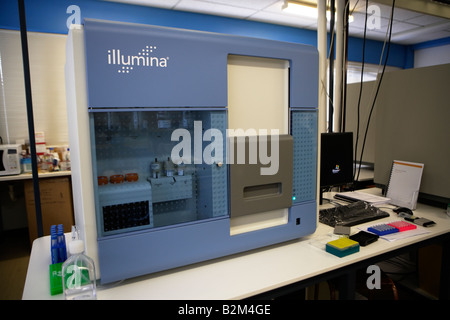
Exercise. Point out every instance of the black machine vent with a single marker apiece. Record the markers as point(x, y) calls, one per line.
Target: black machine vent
point(126, 215)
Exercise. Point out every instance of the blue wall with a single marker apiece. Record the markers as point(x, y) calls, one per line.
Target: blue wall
point(50, 16)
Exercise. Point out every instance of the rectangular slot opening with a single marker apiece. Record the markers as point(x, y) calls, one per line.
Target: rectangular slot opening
point(265, 190)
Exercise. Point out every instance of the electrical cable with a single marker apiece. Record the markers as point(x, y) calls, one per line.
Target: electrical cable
point(345, 19)
point(331, 67)
point(29, 105)
point(329, 93)
point(360, 94)
point(379, 84)
point(354, 7)
point(330, 99)
point(324, 86)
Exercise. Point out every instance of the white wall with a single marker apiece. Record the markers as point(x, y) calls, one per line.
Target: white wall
point(47, 58)
point(432, 56)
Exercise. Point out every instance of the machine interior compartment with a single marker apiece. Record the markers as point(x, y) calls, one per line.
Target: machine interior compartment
point(158, 168)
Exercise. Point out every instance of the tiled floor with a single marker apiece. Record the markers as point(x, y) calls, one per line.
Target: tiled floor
point(14, 257)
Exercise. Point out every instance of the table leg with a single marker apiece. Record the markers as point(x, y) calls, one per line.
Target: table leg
point(347, 284)
point(444, 287)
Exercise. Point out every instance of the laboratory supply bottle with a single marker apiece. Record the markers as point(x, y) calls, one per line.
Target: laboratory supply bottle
point(67, 155)
point(78, 273)
point(169, 168)
point(65, 162)
point(55, 159)
point(180, 169)
point(155, 168)
point(54, 245)
point(62, 251)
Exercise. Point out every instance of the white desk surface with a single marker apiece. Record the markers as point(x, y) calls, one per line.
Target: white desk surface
point(237, 276)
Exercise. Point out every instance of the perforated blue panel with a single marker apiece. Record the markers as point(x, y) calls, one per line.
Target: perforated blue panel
point(219, 173)
point(304, 132)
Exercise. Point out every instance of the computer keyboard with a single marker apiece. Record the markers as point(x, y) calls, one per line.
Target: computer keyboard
point(350, 215)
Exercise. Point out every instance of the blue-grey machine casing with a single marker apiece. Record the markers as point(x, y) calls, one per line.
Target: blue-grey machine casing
point(129, 87)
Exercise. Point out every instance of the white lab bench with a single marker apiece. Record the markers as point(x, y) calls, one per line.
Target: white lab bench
point(262, 273)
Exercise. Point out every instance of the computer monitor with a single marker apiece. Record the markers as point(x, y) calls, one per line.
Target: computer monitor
point(336, 160)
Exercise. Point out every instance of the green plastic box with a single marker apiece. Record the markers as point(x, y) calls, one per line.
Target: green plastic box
point(342, 247)
point(56, 285)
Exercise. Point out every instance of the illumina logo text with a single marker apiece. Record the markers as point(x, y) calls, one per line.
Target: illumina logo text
point(144, 58)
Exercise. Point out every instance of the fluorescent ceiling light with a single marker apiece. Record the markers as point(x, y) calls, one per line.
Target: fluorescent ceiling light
point(305, 9)
point(301, 8)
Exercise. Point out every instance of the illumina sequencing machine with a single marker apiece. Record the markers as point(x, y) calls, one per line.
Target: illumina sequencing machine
point(188, 145)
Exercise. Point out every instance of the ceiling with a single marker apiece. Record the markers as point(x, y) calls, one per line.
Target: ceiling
point(430, 22)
